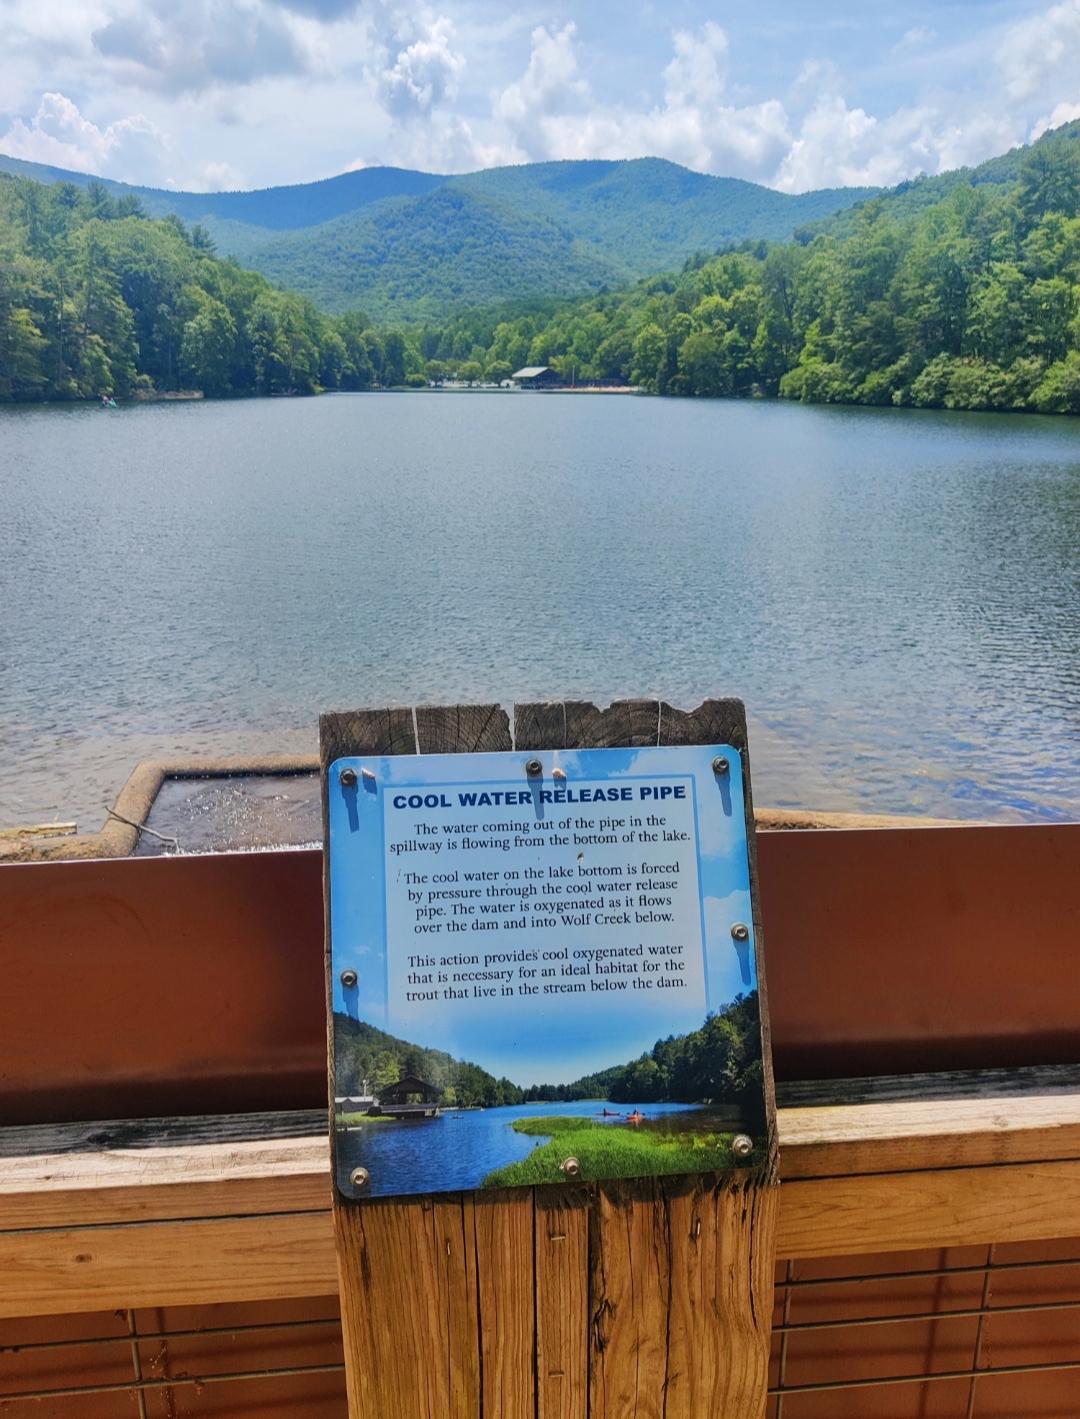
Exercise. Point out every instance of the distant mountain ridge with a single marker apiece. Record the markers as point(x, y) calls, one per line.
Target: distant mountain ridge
point(409, 246)
point(284, 208)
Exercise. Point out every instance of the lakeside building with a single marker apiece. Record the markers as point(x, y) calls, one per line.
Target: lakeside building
point(536, 377)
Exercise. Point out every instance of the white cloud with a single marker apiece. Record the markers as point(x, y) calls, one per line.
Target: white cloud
point(1041, 52)
point(425, 73)
point(552, 113)
point(208, 93)
point(1064, 113)
point(841, 146)
point(415, 66)
point(60, 135)
point(697, 76)
point(838, 146)
point(184, 46)
point(918, 37)
point(550, 86)
point(217, 177)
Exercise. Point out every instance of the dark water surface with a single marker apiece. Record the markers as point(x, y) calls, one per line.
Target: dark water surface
point(896, 594)
point(458, 1150)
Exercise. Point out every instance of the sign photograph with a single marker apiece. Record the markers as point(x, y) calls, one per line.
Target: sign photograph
point(543, 968)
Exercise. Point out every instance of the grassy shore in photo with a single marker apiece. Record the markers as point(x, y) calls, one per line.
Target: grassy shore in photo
point(609, 1151)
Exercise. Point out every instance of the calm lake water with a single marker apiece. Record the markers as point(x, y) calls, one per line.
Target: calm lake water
point(458, 1150)
point(896, 594)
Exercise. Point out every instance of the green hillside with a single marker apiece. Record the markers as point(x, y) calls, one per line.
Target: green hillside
point(719, 1063)
point(421, 259)
point(958, 293)
point(909, 199)
point(409, 246)
point(539, 230)
point(364, 1052)
point(265, 210)
point(651, 213)
point(961, 292)
point(96, 298)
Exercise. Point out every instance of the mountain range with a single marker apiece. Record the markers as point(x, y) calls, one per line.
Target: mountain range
point(411, 246)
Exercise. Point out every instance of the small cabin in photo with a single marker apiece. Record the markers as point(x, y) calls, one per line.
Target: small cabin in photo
point(536, 377)
point(410, 1096)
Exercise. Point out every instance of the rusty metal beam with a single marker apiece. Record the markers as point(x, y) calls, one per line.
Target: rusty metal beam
point(156, 986)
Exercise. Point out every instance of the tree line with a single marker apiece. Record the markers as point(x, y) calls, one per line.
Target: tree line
point(968, 303)
point(364, 1052)
point(967, 300)
point(718, 1063)
point(96, 298)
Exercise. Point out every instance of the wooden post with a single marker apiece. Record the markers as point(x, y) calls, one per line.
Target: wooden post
point(644, 1300)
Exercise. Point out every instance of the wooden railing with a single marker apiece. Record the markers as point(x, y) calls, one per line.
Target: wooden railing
point(191, 987)
point(237, 1208)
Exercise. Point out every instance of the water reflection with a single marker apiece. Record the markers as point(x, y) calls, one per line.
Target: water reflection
point(895, 593)
point(459, 1148)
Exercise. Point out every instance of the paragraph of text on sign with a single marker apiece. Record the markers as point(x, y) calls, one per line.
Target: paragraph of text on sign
point(575, 894)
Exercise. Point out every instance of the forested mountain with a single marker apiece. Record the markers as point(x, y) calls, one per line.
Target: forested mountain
point(969, 299)
point(539, 230)
point(264, 210)
point(410, 246)
point(961, 292)
point(424, 259)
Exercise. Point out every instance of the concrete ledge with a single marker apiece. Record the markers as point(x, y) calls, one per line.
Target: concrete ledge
point(119, 835)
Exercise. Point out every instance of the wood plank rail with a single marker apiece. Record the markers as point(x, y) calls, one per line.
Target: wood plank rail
point(193, 1211)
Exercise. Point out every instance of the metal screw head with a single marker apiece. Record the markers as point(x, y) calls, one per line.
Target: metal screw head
point(742, 1145)
point(359, 1177)
point(739, 932)
point(348, 979)
point(348, 778)
point(570, 1167)
point(534, 768)
point(719, 765)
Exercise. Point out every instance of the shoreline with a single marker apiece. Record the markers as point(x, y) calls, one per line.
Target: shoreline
point(199, 396)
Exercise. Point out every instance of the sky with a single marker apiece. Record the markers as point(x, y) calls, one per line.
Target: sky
point(220, 94)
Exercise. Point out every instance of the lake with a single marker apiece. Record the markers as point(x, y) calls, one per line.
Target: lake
point(895, 593)
point(457, 1150)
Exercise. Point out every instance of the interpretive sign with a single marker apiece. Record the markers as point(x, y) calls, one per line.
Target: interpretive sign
point(543, 966)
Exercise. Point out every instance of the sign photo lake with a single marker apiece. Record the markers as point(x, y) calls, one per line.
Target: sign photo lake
point(543, 967)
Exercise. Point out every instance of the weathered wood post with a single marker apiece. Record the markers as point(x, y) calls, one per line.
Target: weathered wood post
point(648, 1297)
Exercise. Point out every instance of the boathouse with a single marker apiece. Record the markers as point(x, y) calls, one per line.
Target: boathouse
point(536, 377)
point(410, 1097)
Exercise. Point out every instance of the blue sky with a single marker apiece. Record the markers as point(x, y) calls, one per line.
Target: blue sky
point(227, 93)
